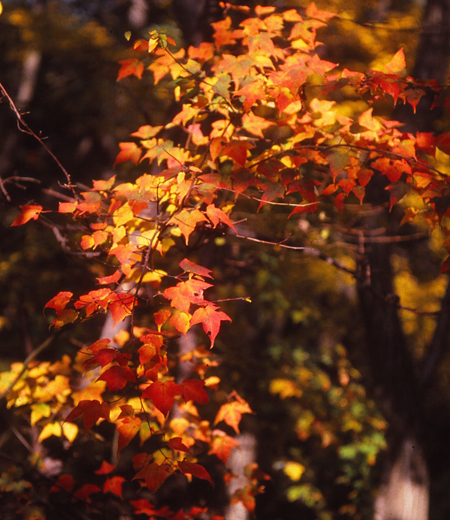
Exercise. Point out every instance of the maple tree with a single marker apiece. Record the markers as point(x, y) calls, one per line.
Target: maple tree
point(261, 119)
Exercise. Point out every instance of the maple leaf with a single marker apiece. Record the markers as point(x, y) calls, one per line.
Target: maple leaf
point(154, 475)
point(28, 212)
point(114, 486)
point(114, 278)
point(190, 267)
point(121, 305)
point(128, 152)
point(85, 491)
point(216, 216)
point(187, 221)
point(246, 496)
point(194, 389)
point(91, 410)
point(443, 142)
point(181, 321)
point(185, 293)
point(64, 482)
point(196, 470)
point(59, 301)
point(130, 67)
point(255, 124)
point(222, 445)
point(176, 443)
point(231, 413)
point(397, 63)
point(251, 92)
point(210, 318)
point(105, 468)
point(128, 428)
point(67, 207)
point(117, 377)
point(162, 394)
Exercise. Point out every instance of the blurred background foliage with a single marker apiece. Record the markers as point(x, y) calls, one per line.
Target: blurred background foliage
point(293, 350)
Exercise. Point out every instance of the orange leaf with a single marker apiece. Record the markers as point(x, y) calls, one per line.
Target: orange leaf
point(128, 428)
point(185, 293)
point(67, 207)
point(110, 279)
point(232, 412)
point(121, 306)
point(130, 67)
point(128, 152)
point(187, 221)
point(59, 301)
point(222, 445)
point(190, 267)
point(29, 212)
point(210, 318)
point(397, 63)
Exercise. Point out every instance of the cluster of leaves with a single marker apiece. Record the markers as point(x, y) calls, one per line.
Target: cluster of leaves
point(261, 116)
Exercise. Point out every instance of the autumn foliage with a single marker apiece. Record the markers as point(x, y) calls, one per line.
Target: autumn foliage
point(259, 116)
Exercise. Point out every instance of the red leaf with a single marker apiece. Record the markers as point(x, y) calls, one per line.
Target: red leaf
point(143, 507)
point(443, 142)
point(91, 410)
point(64, 482)
point(193, 389)
point(154, 475)
point(114, 486)
point(86, 490)
point(210, 318)
point(196, 470)
point(162, 395)
point(105, 468)
point(117, 377)
point(177, 444)
point(29, 212)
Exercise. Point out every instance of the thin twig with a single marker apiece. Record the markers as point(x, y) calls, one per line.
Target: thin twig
point(23, 127)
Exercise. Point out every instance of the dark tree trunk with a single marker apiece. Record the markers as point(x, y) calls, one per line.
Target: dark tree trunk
point(404, 492)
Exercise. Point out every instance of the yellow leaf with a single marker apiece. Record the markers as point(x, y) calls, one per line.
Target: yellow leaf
point(38, 411)
point(294, 470)
point(285, 388)
point(70, 431)
point(49, 430)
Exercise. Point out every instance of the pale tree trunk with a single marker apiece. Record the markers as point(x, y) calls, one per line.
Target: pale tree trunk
point(240, 457)
point(405, 494)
